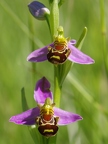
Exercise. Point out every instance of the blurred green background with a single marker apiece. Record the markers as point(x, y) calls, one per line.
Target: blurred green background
point(85, 90)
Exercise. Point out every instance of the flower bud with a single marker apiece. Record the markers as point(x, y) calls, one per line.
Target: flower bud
point(38, 10)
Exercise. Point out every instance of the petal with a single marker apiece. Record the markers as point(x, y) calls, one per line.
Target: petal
point(42, 91)
point(38, 55)
point(26, 118)
point(73, 42)
point(77, 56)
point(66, 117)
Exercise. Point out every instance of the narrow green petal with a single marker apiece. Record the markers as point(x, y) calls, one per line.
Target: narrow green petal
point(81, 38)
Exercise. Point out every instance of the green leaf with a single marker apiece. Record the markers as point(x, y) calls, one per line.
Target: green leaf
point(61, 2)
point(52, 140)
point(37, 138)
point(64, 69)
point(23, 100)
point(81, 38)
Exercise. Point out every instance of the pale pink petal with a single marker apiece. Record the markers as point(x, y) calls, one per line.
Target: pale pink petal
point(77, 56)
point(26, 118)
point(66, 117)
point(42, 91)
point(39, 55)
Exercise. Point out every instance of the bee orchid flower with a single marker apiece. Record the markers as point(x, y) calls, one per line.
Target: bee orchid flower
point(46, 116)
point(59, 51)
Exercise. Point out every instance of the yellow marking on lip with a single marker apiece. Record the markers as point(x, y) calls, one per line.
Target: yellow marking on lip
point(48, 130)
point(56, 57)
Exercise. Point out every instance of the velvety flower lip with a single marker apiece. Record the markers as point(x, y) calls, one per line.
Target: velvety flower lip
point(29, 117)
point(75, 56)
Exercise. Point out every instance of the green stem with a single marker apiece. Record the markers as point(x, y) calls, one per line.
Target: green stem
point(54, 24)
point(104, 38)
point(54, 17)
point(57, 87)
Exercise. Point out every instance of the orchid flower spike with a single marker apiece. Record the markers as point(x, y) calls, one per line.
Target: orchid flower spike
point(46, 116)
point(59, 51)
